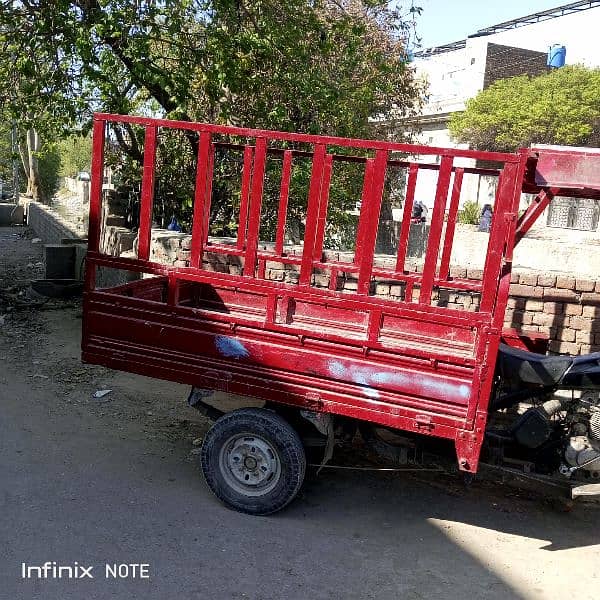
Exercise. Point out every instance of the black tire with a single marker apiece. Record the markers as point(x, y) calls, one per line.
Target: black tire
point(253, 461)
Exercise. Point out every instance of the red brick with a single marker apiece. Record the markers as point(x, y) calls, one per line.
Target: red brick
point(567, 283)
point(584, 285)
point(553, 308)
point(520, 316)
point(544, 319)
point(458, 272)
point(591, 312)
point(528, 278)
point(474, 273)
point(565, 334)
point(560, 295)
point(526, 291)
point(534, 305)
point(573, 309)
point(590, 298)
point(549, 331)
point(584, 337)
point(580, 323)
point(564, 347)
point(518, 303)
point(546, 280)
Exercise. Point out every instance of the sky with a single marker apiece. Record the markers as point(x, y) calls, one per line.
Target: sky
point(444, 21)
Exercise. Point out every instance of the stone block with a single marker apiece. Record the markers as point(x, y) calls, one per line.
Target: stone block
point(580, 323)
point(565, 334)
point(546, 280)
point(528, 278)
point(526, 291)
point(584, 337)
point(553, 308)
point(591, 312)
point(584, 285)
point(543, 319)
point(564, 347)
point(564, 282)
point(534, 305)
point(573, 309)
point(560, 295)
point(590, 298)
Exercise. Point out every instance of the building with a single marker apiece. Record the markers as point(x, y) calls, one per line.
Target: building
point(457, 71)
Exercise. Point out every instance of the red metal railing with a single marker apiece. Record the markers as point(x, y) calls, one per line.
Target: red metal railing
point(400, 357)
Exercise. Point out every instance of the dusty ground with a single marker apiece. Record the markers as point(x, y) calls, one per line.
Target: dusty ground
point(115, 480)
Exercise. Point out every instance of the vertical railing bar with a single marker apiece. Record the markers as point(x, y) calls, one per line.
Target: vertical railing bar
point(284, 192)
point(413, 171)
point(322, 218)
point(374, 325)
point(147, 194)
point(501, 222)
point(312, 213)
point(209, 184)
point(197, 246)
point(333, 277)
point(362, 219)
point(99, 130)
point(369, 219)
point(258, 174)
point(244, 195)
point(451, 223)
point(435, 230)
point(172, 290)
point(96, 186)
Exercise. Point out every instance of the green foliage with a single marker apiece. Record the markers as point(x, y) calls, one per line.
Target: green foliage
point(316, 67)
point(470, 213)
point(75, 154)
point(561, 107)
point(49, 164)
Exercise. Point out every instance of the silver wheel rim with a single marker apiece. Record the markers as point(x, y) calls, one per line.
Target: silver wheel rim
point(249, 464)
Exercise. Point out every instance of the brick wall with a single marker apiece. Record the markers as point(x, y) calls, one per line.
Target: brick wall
point(508, 61)
point(565, 308)
point(562, 306)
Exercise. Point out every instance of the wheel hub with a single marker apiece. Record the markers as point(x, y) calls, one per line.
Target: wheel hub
point(250, 464)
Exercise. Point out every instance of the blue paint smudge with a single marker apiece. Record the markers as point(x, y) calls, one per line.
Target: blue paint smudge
point(230, 347)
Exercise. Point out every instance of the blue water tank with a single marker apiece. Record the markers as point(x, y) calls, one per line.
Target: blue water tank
point(556, 56)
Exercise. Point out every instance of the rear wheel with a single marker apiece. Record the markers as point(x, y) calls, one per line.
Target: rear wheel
point(253, 461)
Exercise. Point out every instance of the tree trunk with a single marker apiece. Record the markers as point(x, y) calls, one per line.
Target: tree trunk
point(28, 153)
point(33, 175)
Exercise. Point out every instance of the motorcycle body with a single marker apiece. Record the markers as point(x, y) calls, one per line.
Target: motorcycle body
point(545, 414)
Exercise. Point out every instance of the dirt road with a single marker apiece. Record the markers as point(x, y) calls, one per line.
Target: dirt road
point(114, 480)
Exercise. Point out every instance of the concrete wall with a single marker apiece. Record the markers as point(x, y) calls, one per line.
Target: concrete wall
point(48, 224)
